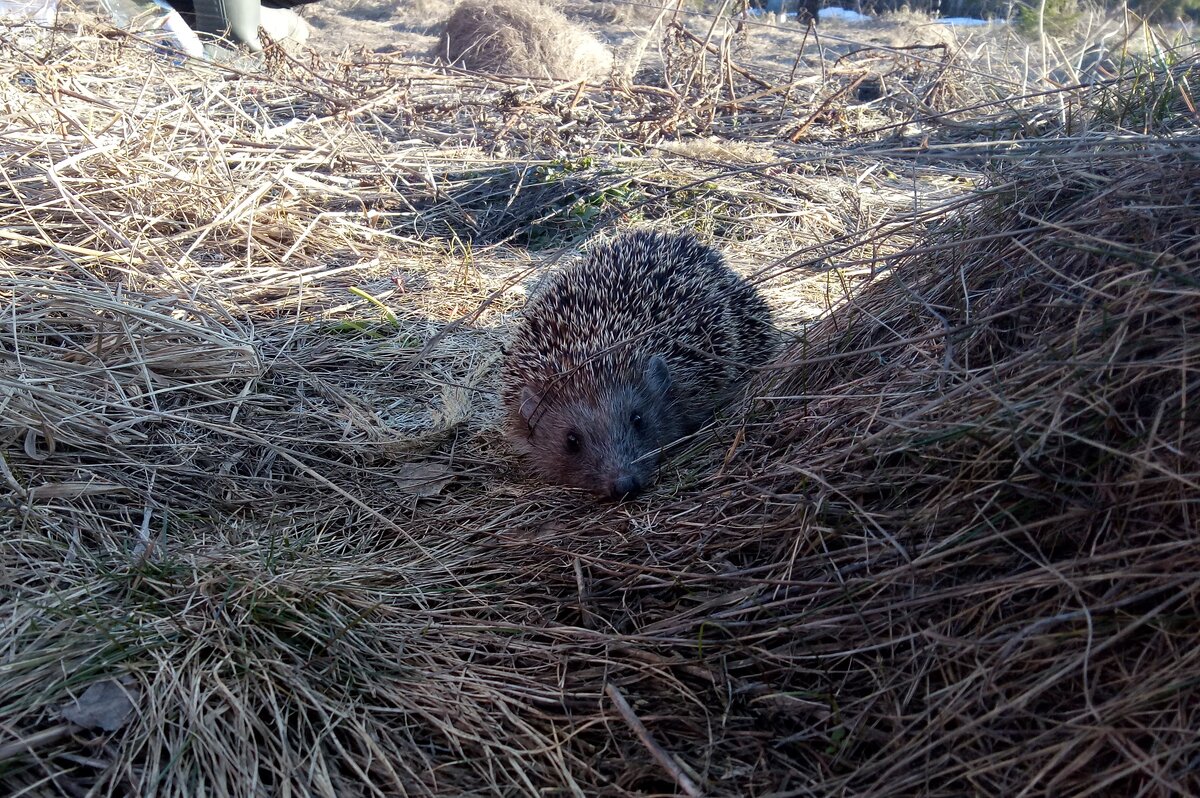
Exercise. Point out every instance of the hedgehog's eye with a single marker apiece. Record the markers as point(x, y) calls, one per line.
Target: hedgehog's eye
point(573, 444)
point(635, 419)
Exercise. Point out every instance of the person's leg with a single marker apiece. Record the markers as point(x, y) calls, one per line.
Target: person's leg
point(237, 20)
point(285, 27)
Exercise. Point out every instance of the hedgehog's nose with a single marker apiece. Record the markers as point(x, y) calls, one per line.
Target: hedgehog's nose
point(625, 487)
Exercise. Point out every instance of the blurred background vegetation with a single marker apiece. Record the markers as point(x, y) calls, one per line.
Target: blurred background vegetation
point(1161, 11)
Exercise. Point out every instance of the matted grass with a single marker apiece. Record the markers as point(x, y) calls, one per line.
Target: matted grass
point(249, 332)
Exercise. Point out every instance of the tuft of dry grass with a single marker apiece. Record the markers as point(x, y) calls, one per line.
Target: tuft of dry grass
point(250, 472)
point(995, 454)
point(521, 37)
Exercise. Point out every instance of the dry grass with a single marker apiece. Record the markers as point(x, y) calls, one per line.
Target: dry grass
point(248, 464)
point(995, 453)
point(521, 37)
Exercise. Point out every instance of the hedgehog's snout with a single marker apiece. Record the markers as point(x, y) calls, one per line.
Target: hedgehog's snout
point(625, 486)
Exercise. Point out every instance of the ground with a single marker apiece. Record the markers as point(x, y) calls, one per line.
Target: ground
point(411, 29)
point(260, 533)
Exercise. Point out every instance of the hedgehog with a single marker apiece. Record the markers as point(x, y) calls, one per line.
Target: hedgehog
point(623, 353)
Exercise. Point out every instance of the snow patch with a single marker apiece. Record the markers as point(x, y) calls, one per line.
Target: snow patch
point(963, 22)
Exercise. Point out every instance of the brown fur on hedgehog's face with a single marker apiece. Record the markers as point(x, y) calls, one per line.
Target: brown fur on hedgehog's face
point(608, 444)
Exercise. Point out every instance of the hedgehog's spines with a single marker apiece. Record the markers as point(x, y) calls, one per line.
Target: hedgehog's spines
point(619, 291)
point(592, 327)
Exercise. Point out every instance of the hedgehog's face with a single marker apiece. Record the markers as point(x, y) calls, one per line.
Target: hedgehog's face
point(610, 445)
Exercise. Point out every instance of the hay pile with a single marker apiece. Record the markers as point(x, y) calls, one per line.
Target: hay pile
point(952, 549)
point(523, 38)
point(978, 483)
point(955, 549)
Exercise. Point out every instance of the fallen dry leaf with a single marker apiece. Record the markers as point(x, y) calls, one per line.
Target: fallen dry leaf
point(423, 479)
point(104, 705)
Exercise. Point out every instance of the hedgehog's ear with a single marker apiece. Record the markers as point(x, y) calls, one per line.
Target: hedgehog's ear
point(530, 399)
point(658, 376)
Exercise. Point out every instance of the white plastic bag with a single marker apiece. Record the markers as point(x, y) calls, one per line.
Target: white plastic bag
point(40, 12)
